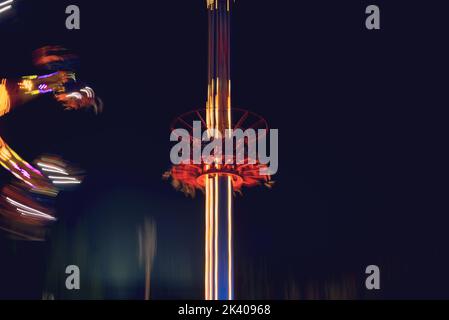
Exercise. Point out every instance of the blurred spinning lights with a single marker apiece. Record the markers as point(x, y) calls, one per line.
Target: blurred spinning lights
point(59, 172)
point(28, 211)
point(25, 209)
point(5, 5)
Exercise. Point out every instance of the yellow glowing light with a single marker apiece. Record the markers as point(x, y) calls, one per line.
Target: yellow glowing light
point(217, 105)
point(30, 77)
point(211, 4)
point(26, 85)
point(15, 155)
point(5, 102)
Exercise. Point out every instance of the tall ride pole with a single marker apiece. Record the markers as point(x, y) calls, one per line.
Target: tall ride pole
point(219, 178)
point(219, 275)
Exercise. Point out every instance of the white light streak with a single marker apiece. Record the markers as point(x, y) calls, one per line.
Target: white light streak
point(6, 2)
point(75, 95)
point(55, 171)
point(86, 92)
point(49, 168)
point(23, 209)
point(63, 178)
point(66, 182)
point(5, 8)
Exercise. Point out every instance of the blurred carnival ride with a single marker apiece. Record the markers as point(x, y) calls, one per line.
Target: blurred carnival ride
point(27, 203)
point(219, 179)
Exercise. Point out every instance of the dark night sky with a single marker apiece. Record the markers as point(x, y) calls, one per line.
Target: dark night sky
point(360, 120)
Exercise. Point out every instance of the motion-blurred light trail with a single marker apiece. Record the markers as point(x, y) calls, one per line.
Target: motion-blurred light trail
point(23, 209)
point(219, 179)
point(27, 203)
point(7, 4)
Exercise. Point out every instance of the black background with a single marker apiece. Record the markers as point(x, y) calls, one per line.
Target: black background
point(361, 119)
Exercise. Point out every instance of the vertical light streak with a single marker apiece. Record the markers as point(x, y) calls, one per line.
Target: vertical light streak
point(217, 106)
point(216, 199)
point(206, 253)
point(208, 120)
point(230, 256)
point(229, 108)
point(218, 117)
point(211, 232)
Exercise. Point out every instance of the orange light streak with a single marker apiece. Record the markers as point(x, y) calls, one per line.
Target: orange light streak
point(216, 235)
point(217, 106)
point(206, 253)
point(211, 228)
point(230, 257)
point(218, 117)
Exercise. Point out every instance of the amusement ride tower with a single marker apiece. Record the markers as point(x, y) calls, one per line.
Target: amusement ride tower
point(220, 179)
